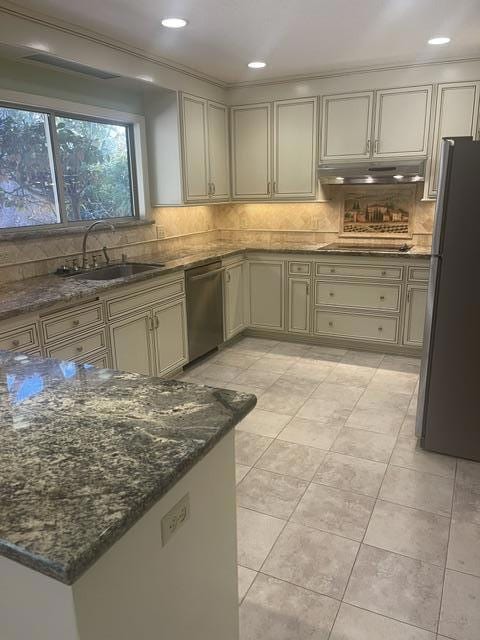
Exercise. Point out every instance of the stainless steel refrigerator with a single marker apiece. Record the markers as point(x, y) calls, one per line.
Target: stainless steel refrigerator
point(448, 418)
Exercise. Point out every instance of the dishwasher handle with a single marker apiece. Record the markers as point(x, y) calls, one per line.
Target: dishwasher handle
point(202, 276)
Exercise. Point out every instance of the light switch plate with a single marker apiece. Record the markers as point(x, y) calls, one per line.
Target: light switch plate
point(175, 518)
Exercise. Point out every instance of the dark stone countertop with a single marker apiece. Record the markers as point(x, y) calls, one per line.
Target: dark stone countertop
point(85, 452)
point(39, 293)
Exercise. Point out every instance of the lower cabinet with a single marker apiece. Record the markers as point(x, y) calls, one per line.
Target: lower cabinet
point(299, 305)
point(266, 287)
point(415, 315)
point(170, 322)
point(234, 299)
point(132, 344)
point(356, 325)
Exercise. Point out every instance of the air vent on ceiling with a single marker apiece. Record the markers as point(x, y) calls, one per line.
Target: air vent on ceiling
point(45, 58)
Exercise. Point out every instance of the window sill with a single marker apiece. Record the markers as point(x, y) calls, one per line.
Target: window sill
point(51, 232)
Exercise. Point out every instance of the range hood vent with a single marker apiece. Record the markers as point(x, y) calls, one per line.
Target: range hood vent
point(403, 171)
point(67, 65)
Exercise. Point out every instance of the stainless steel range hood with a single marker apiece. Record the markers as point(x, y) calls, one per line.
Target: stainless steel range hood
point(367, 172)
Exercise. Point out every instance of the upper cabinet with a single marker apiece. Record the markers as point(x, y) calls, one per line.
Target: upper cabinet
point(251, 155)
point(205, 150)
point(398, 125)
point(456, 114)
point(347, 126)
point(402, 119)
point(294, 148)
point(278, 166)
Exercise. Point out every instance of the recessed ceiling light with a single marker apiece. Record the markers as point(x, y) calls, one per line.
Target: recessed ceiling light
point(398, 177)
point(174, 23)
point(257, 64)
point(439, 40)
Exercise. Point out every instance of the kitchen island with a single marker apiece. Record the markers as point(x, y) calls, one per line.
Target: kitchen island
point(117, 507)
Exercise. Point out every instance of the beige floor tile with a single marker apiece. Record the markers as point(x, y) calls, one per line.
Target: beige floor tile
point(249, 447)
point(234, 358)
point(274, 363)
point(219, 373)
point(376, 397)
point(243, 388)
point(351, 474)
point(241, 471)
point(310, 370)
point(290, 348)
point(398, 587)
point(255, 345)
point(245, 579)
point(409, 532)
point(363, 358)
point(291, 459)
point(256, 535)
point(460, 614)
point(312, 559)
point(264, 423)
point(351, 375)
point(277, 610)
point(408, 453)
point(419, 490)
point(335, 511)
point(330, 401)
point(408, 426)
point(401, 363)
point(387, 420)
point(468, 475)
point(395, 381)
point(286, 395)
point(364, 444)
point(464, 548)
point(325, 354)
point(312, 433)
point(270, 493)
point(254, 378)
point(353, 623)
point(466, 506)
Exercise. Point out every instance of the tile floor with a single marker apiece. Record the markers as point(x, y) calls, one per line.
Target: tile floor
point(346, 529)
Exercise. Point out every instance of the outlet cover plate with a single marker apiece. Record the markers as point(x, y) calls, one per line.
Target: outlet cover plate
point(175, 518)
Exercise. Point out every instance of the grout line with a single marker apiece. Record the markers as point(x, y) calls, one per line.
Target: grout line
point(448, 548)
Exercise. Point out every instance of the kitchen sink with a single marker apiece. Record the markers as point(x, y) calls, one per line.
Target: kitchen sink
point(114, 271)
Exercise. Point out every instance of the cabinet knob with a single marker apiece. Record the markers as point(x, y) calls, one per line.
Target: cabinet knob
point(331, 294)
point(330, 324)
point(332, 270)
point(76, 322)
point(382, 297)
point(15, 343)
point(79, 349)
point(384, 273)
point(380, 328)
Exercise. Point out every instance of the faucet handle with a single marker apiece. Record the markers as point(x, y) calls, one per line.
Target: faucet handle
point(75, 266)
point(94, 262)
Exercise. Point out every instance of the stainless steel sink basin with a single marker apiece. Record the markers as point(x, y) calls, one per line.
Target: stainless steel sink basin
point(114, 271)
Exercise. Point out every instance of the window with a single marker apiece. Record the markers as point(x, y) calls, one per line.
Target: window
point(62, 169)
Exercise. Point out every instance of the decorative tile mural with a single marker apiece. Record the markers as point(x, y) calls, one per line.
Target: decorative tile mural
point(378, 209)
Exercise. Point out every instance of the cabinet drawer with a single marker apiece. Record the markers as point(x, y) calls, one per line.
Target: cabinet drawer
point(358, 271)
point(98, 360)
point(146, 297)
point(350, 325)
point(20, 338)
point(295, 268)
point(63, 325)
point(358, 295)
point(79, 347)
point(418, 274)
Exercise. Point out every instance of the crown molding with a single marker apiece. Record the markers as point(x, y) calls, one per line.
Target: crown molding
point(72, 29)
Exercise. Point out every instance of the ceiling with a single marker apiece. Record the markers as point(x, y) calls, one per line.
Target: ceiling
point(294, 37)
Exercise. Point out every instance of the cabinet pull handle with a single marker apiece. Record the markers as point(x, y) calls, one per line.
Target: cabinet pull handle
point(308, 289)
point(150, 324)
point(331, 294)
point(330, 324)
point(377, 144)
point(75, 323)
point(332, 270)
point(384, 273)
point(368, 146)
point(15, 343)
point(382, 297)
point(380, 328)
point(268, 188)
point(79, 348)
point(408, 295)
point(274, 187)
point(213, 188)
point(157, 321)
point(228, 276)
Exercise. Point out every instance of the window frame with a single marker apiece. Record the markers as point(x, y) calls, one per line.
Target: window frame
point(136, 150)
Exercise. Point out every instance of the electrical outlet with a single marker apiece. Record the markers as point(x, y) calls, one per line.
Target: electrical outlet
point(175, 518)
point(160, 232)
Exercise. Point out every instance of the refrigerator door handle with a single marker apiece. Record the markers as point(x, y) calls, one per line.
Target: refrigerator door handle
point(447, 148)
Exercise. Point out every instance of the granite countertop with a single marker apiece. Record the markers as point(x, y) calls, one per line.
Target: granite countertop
point(85, 452)
point(38, 293)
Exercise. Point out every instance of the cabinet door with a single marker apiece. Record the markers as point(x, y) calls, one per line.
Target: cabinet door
point(415, 315)
point(299, 305)
point(456, 114)
point(132, 346)
point(195, 162)
point(171, 336)
point(401, 122)
point(266, 294)
point(347, 126)
point(251, 151)
point(234, 300)
point(294, 143)
point(219, 175)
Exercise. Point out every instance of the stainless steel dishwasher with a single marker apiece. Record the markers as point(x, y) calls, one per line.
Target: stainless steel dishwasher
point(204, 308)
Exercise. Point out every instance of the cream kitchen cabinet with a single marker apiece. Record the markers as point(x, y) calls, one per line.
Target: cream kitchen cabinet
point(170, 333)
point(299, 305)
point(294, 148)
point(415, 309)
point(234, 299)
point(205, 150)
point(266, 293)
point(347, 126)
point(132, 344)
point(456, 114)
point(402, 118)
point(251, 151)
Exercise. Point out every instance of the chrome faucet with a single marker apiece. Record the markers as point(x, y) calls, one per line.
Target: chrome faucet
point(85, 236)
